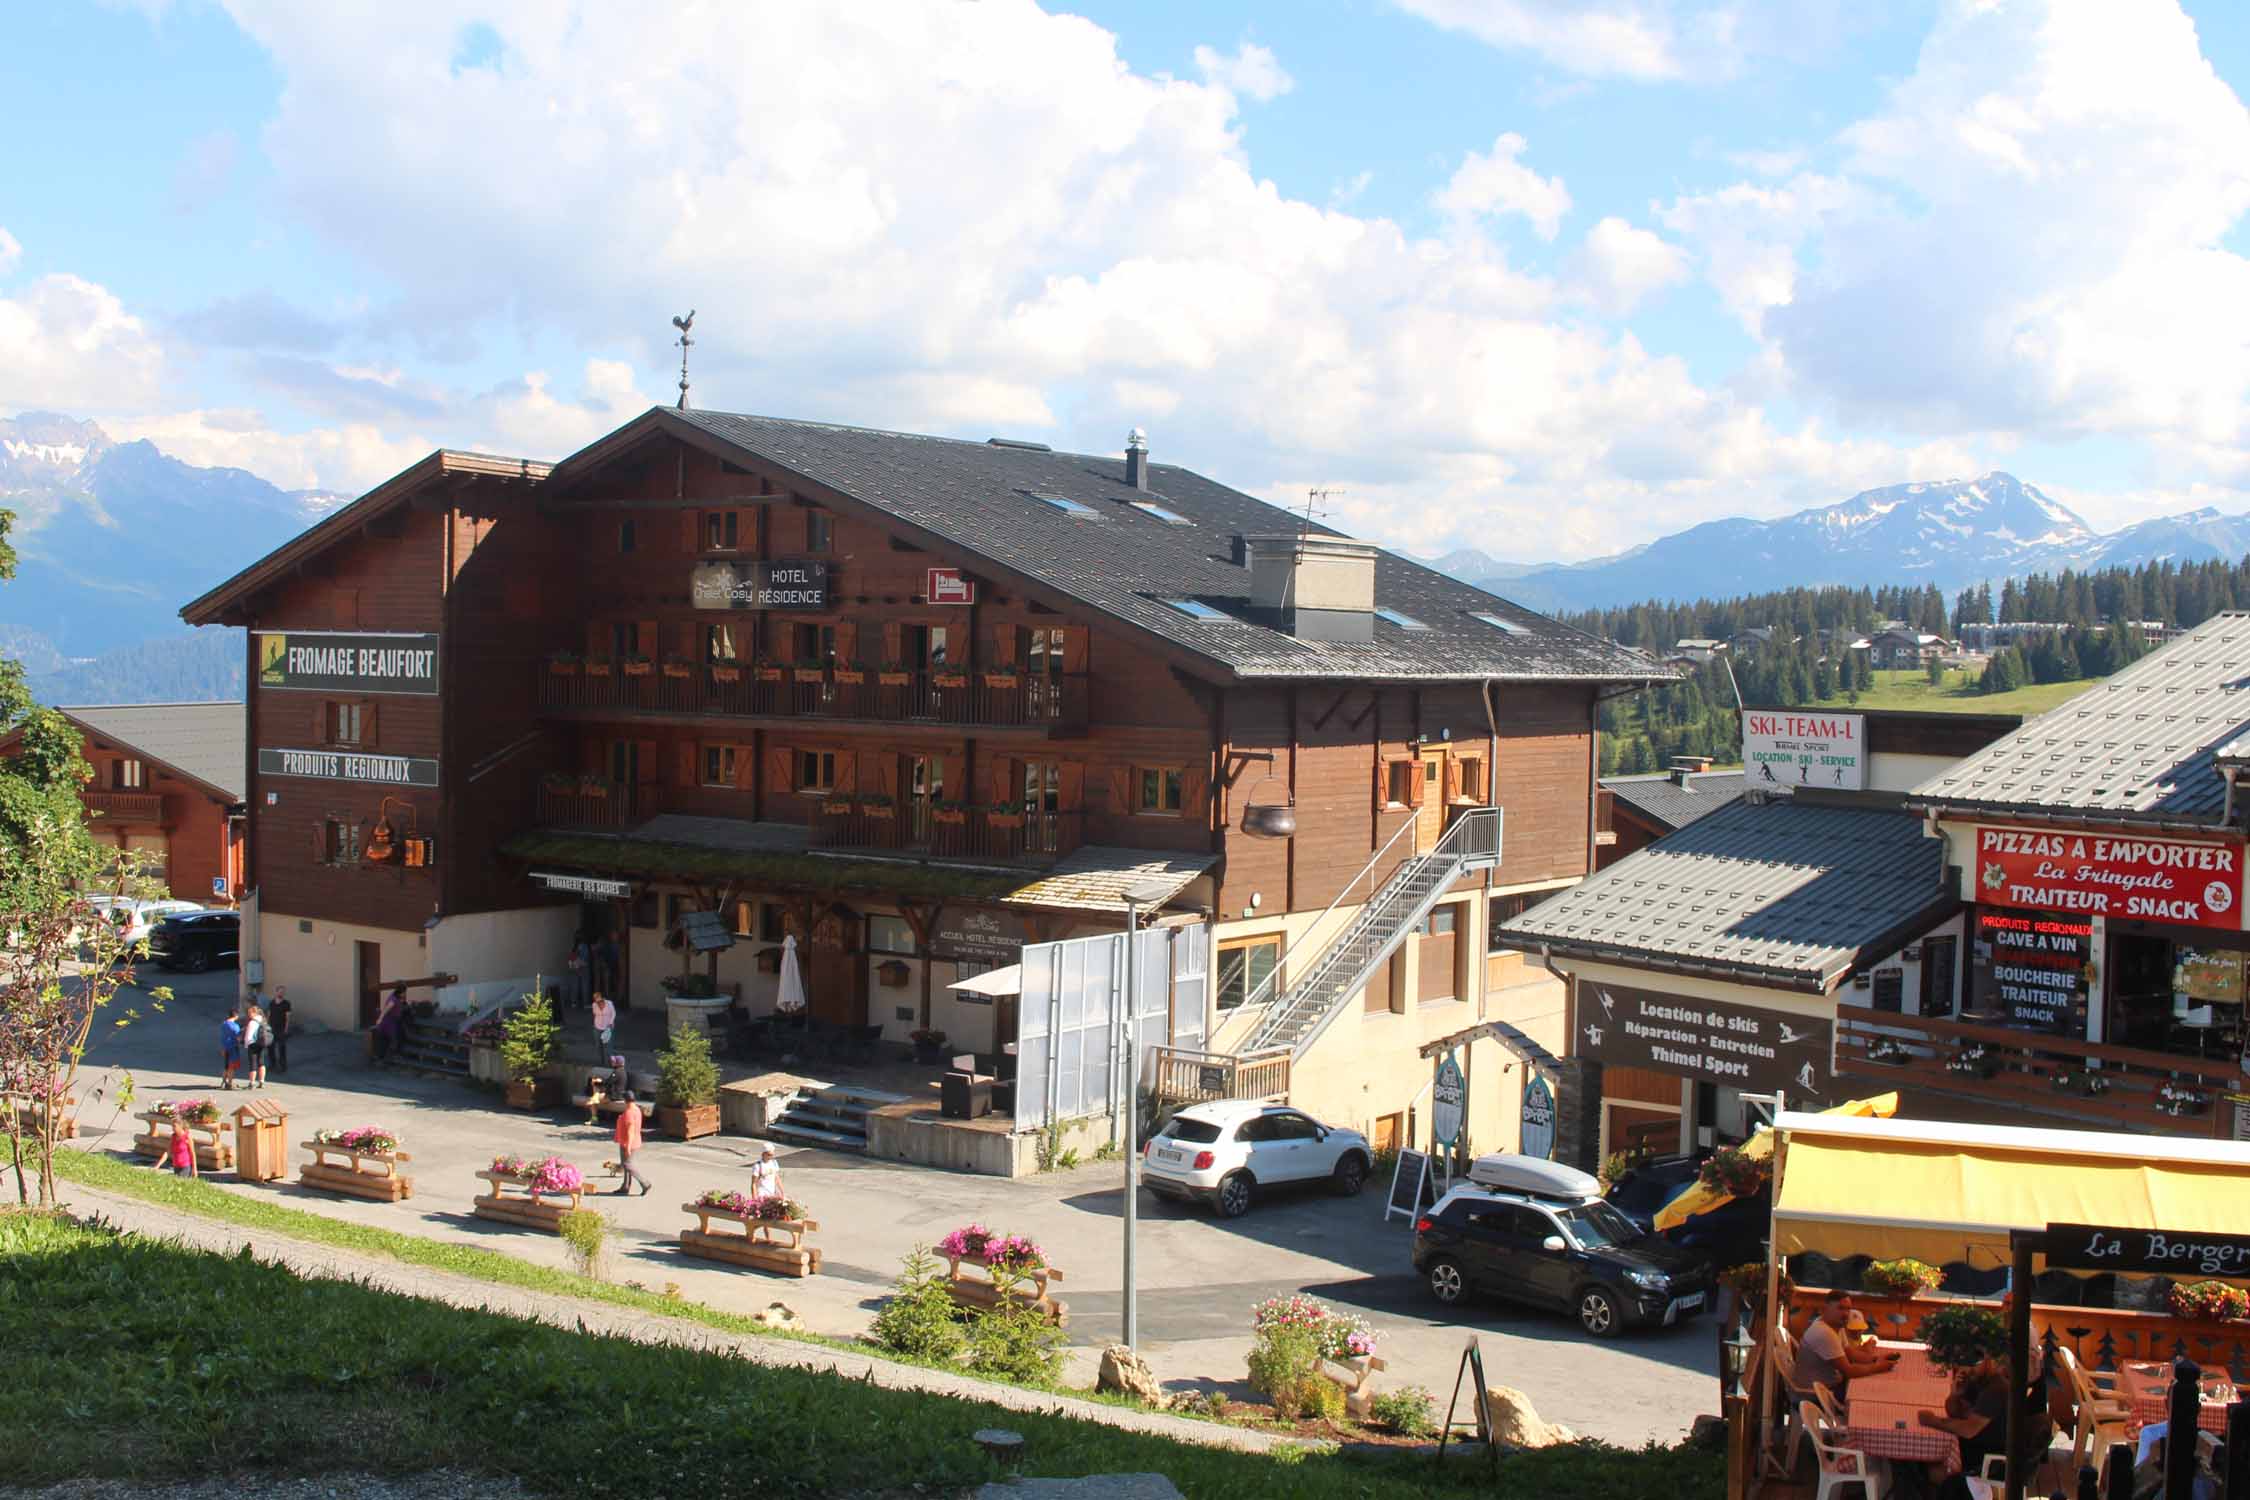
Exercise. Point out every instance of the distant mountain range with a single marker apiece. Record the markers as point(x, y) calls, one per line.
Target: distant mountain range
point(111, 539)
point(1954, 534)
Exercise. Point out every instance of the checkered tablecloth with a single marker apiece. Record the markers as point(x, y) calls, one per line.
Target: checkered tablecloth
point(2148, 1389)
point(1883, 1413)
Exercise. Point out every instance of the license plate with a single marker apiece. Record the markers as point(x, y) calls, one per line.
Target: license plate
point(1691, 1302)
point(1171, 1156)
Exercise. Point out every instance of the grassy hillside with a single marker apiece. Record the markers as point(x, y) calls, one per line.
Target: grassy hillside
point(1906, 689)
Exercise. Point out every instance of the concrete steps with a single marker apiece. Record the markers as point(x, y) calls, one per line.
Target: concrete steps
point(835, 1117)
point(432, 1047)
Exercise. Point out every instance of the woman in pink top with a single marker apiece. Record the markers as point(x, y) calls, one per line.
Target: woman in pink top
point(181, 1152)
point(605, 1019)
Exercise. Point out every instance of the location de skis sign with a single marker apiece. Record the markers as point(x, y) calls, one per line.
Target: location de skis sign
point(1786, 747)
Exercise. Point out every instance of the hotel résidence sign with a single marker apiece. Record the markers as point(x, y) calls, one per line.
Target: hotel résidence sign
point(350, 765)
point(1742, 1046)
point(791, 583)
point(2143, 879)
point(1784, 747)
point(334, 661)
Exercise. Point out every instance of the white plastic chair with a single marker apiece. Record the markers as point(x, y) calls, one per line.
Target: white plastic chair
point(2098, 1422)
point(1838, 1466)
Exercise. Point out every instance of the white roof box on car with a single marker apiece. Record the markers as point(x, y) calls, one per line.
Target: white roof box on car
point(1513, 1172)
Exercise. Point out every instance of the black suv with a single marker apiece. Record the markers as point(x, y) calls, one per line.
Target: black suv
point(1582, 1257)
point(196, 940)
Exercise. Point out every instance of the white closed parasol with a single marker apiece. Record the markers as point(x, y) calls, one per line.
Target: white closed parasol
point(791, 1000)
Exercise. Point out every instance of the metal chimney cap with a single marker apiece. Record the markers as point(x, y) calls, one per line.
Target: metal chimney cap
point(1137, 439)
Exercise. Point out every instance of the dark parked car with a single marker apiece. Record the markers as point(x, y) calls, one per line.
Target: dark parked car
point(1582, 1257)
point(196, 941)
point(1730, 1234)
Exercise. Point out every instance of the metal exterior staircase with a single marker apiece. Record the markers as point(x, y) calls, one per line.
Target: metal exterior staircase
point(1325, 978)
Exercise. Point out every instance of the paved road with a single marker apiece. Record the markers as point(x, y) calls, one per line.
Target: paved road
point(1199, 1276)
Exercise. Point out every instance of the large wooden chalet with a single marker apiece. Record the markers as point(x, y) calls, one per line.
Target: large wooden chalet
point(916, 702)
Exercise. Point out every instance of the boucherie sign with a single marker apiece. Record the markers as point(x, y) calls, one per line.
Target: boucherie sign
point(2151, 880)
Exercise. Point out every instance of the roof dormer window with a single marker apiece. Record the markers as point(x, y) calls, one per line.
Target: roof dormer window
point(1168, 517)
point(1402, 621)
point(1497, 623)
point(1076, 510)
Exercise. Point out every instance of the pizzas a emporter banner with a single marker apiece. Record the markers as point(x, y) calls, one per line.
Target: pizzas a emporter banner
point(2103, 875)
point(341, 661)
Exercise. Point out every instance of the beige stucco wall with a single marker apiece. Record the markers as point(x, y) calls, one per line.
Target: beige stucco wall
point(528, 942)
point(320, 968)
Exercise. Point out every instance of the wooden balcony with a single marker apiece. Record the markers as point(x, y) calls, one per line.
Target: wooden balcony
point(970, 833)
point(1185, 1075)
point(125, 807)
point(1996, 1064)
point(597, 804)
point(983, 700)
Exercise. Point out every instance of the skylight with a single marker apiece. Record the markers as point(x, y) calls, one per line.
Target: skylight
point(1497, 623)
point(1196, 609)
point(1067, 506)
point(1168, 517)
point(1403, 622)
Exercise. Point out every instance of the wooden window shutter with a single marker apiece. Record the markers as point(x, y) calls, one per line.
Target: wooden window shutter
point(651, 773)
point(1073, 790)
point(886, 776)
point(368, 719)
point(597, 637)
point(324, 722)
point(1120, 789)
point(893, 642)
point(591, 758)
point(688, 768)
point(1004, 647)
point(847, 771)
point(683, 640)
point(644, 638)
point(1074, 649)
point(1195, 786)
point(1452, 779)
point(1007, 779)
point(847, 643)
point(1416, 777)
point(781, 769)
point(953, 775)
point(745, 768)
point(691, 530)
point(320, 840)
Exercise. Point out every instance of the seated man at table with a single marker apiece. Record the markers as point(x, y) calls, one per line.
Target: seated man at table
point(1977, 1414)
point(1823, 1358)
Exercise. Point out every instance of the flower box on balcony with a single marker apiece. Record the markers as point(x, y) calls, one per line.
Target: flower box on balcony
point(726, 674)
point(810, 674)
point(1000, 680)
point(561, 783)
point(951, 679)
point(1003, 818)
point(592, 786)
point(951, 816)
point(850, 676)
point(878, 807)
point(769, 674)
point(677, 666)
point(639, 666)
point(596, 666)
point(893, 677)
point(837, 805)
point(563, 666)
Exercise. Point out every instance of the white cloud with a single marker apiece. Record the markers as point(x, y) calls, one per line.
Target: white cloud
point(1647, 41)
point(1621, 264)
point(67, 344)
point(1497, 182)
point(1252, 71)
point(11, 252)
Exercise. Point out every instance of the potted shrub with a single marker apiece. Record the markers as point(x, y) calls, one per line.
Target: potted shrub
point(687, 1088)
point(596, 666)
point(1901, 1278)
point(929, 1044)
point(677, 666)
point(1964, 1336)
point(1735, 1172)
point(527, 1045)
point(637, 665)
point(563, 663)
point(2209, 1302)
point(1005, 815)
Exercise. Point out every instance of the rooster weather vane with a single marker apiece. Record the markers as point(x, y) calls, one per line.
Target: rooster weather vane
point(685, 343)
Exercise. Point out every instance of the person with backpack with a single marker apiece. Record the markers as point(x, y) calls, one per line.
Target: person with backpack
point(256, 1035)
point(230, 1049)
point(278, 1015)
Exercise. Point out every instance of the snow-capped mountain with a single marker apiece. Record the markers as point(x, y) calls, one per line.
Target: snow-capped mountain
point(112, 538)
point(1952, 534)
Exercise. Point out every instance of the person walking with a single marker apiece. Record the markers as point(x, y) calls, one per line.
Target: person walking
point(255, 1035)
point(230, 1049)
point(765, 1175)
point(179, 1152)
point(628, 1137)
point(581, 972)
point(390, 1026)
point(277, 1014)
point(606, 962)
point(605, 1020)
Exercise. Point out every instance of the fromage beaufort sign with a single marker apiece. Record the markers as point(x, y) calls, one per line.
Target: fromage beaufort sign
point(1785, 747)
point(338, 661)
point(2134, 878)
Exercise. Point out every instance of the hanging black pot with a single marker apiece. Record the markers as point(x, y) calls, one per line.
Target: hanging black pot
point(1269, 820)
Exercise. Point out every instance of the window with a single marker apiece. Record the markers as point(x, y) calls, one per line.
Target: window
point(926, 646)
point(816, 770)
point(1497, 623)
point(722, 530)
point(1196, 609)
point(890, 935)
point(769, 923)
point(1168, 517)
point(628, 536)
point(1042, 787)
point(1244, 965)
point(719, 645)
point(1292, 1126)
point(624, 638)
point(820, 531)
point(745, 919)
point(1069, 508)
point(339, 840)
point(1156, 792)
point(1471, 773)
point(1403, 622)
point(1441, 922)
point(1398, 789)
point(814, 643)
point(1505, 909)
point(718, 765)
point(1890, 990)
point(128, 775)
point(673, 905)
point(345, 723)
point(624, 762)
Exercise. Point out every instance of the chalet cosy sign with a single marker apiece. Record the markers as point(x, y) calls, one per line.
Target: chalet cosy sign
point(2149, 879)
point(794, 583)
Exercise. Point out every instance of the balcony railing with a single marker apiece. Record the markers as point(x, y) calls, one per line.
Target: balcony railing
point(597, 803)
point(127, 807)
point(2131, 1087)
point(983, 699)
point(968, 833)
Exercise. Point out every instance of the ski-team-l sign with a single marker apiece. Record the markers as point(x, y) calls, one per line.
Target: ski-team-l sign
point(1786, 747)
point(2144, 879)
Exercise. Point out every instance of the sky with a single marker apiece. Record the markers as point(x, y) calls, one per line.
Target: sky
point(1547, 278)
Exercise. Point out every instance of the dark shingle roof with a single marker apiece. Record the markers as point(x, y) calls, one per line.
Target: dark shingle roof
point(1785, 890)
point(2139, 747)
point(1124, 561)
point(1669, 804)
point(203, 739)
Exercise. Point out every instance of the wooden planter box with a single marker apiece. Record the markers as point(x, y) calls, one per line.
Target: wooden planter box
point(810, 674)
point(675, 669)
point(563, 668)
point(1004, 820)
point(511, 1200)
point(537, 1093)
point(356, 1174)
point(1000, 679)
point(640, 669)
point(213, 1152)
point(596, 669)
point(893, 679)
point(769, 674)
point(850, 677)
point(951, 680)
point(953, 818)
point(835, 807)
point(688, 1121)
point(726, 674)
point(1356, 1377)
point(883, 811)
point(597, 789)
point(776, 1245)
point(979, 1290)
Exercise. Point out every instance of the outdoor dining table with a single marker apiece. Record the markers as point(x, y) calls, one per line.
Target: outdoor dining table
point(2148, 1390)
point(1883, 1413)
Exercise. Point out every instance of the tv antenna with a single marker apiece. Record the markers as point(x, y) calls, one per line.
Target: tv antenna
point(1316, 504)
point(685, 343)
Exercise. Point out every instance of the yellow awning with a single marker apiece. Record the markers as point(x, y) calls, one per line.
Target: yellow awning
point(1908, 1190)
point(1695, 1198)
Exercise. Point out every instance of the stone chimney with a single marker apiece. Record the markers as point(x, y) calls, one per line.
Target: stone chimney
point(1318, 588)
point(1685, 767)
point(1136, 459)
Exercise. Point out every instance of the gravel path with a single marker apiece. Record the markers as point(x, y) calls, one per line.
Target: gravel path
point(330, 1263)
point(438, 1484)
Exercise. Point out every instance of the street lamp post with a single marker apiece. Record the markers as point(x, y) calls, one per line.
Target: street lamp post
point(1151, 894)
point(1735, 1352)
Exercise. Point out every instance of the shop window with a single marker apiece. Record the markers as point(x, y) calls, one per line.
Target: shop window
point(722, 530)
point(816, 770)
point(128, 775)
point(627, 537)
point(1243, 966)
point(718, 765)
point(820, 531)
point(1156, 791)
point(1502, 910)
point(890, 935)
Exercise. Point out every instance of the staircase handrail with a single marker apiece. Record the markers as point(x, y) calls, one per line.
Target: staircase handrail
point(1273, 975)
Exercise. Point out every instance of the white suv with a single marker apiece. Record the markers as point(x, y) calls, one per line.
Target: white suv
point(135, 919)
point(1224, 1152)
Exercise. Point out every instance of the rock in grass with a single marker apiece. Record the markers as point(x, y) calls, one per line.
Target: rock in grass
point(778, 1315)
point(1128, 1374)
point(1000, 1443)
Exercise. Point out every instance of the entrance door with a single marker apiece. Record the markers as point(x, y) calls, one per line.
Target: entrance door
point(1430, 817)
point(921, 780)
point(1043, 661)
point(1940, 966)
point(367, 961)
point(1042, 806)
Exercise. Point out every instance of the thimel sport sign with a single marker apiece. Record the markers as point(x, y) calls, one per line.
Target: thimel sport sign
point(339, 661)
point(2146, 879)
point(350, 765)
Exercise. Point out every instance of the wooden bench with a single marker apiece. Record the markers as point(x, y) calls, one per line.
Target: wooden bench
point(1357, 1377)
point(970, 1292)
point(513, 1200)
point(761, 1243)
point(364, 1174)
point(213, 1152)
point(600, 1107)
point(30, 1111)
